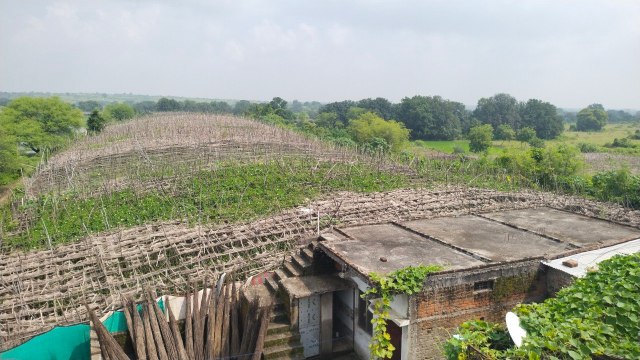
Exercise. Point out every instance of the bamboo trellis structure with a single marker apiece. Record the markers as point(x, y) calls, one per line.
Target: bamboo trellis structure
point(41, 289)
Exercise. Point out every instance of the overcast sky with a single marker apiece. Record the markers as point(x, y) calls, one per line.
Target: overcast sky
point(571, 53)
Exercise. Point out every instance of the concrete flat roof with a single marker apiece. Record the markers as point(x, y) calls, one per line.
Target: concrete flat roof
point(490, 239)
point(400, 247)
point(472, 240)
point(590, 259)
point(577, 229)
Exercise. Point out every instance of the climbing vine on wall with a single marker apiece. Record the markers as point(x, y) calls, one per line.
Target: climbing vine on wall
point(597, 316)
point(408, 280)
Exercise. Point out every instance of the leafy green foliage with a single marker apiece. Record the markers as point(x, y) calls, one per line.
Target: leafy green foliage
point(409, 281)
point(118, 112)
point(488, 338)
point(592, 118)
point(597, 316)
point(30, 125)
point(41, 123)
point(526, 134)
point(229, 194)
point(619, 185)
point(480, 138)
point(9, 163)
point(543, 117)
point(432, 118)
point(369, 128)
point(505, 132)
point(95, 122)
point(497, 110)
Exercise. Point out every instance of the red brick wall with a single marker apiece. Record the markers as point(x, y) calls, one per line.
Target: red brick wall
point(437, 312)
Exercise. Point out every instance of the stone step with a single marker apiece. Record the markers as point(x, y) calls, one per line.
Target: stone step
point(284, 338)
point(307, 253)
point(280, 275)
point(277, 352)
point(302, 263)
point(278, 327)
point(291, 269)
point(272, 284)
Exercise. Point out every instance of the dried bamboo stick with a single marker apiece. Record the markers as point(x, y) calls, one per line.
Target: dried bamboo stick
point(165, 330)
point(188, 327)
point(177, 337)
point(157, 335)
point(141, 351)
point(152, 351)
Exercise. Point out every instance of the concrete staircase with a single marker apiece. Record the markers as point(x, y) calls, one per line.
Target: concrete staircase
point(281, 341)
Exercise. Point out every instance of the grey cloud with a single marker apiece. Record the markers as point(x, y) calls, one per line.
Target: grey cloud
point(571, 53)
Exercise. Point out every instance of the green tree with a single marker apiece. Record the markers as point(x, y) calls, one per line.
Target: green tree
point(497, 110)
point(41, 123)
point(241, 107)
point(505, 132)
point(118, 112)
point(543, 117)
point(431, 118)
point(526, 134)
point(381, 106)
point(591, 118)
point(329, 120)
point(369, 126)
point(89, 105)
point(165, 104)
point(95, 122)
point(9, 164)
point(340, 109)
point(480, 138)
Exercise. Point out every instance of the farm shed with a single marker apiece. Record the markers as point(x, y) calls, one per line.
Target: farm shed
point(492, 262)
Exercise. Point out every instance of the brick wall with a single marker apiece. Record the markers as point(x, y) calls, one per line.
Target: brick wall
point(557, 280)
point(451, 299)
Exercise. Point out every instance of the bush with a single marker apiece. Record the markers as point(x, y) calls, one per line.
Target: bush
point(458, 149)
point(480, 138)
point(621, 143)
point(587, 148)
point(118, 112)
point(526, 134)
point(368, 128)
point(505, 132)
point(536, 142)
point(95, 122)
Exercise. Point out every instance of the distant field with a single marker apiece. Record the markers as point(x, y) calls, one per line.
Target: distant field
point(605, 159)
point(574, 138)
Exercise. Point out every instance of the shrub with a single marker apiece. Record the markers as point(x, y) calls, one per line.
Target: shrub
point(368, 128)
point(587, 148)
point(526, 134)
point(480, 138)
point(458, 149)
point(505, 132)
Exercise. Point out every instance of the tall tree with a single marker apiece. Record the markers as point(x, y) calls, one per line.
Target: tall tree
point(543, 117)
point(431, 118)
point(591, 118)
point(88, 105)
point(41, 122)
point(341, 109)
point(497, 110)
point(165, 104)
point(241, 107)
point(381, 106)
point(8, 156)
